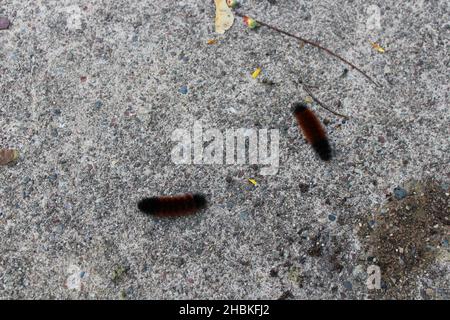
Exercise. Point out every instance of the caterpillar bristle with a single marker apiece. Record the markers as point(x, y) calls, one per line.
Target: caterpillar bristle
point(297, 107)
point(313, 130)
point(173, 206)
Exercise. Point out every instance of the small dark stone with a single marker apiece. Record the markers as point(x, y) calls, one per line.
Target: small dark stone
point(400, 193)
point(267, 82)
point(245, 263)
point(4, 23)
point(348, 285)
point(304, 187)
point(286, 295)
point(331, 217)
point(243, 215)
point(98, 104)
point(183, 90)
point(53, 177)
point(315, 250)
point(273, 273)
point(179, 262)
point(257, 204)
point(344, 73)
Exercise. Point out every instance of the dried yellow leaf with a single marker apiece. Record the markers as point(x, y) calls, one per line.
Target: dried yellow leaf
point(377, 47)
point(253, 182)
point(8, 155)
point(256, 73)
point(308, 99)
point(224, 16)
point(212, 41)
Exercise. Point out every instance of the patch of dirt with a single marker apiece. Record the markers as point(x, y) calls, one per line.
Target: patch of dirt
point(406, 236)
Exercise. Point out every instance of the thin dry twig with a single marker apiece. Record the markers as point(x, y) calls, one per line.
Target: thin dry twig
point(314, 44)
point(322, 104)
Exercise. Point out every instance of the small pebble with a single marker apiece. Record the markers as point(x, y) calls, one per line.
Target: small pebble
point(98, 104)
point(53, 177)
point(304, 187)
point(243, 215)
point(4, 23)
point(183, 90)
point(348, 285)
point(286, 295)
point(267, 82)
point(331, 217)
point(399, 193)
point(8, 156)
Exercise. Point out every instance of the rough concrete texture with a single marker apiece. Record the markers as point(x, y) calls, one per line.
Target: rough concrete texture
point(91, 92)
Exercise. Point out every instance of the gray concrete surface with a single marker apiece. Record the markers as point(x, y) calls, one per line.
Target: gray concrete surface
point(90, 94)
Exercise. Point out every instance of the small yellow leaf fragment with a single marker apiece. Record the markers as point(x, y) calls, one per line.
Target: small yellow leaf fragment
point(377, 47)
point(212, 41)
point(256, 73)
point(308, 99)
point(224, 16)
point(8, 155)
point(253, 182)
